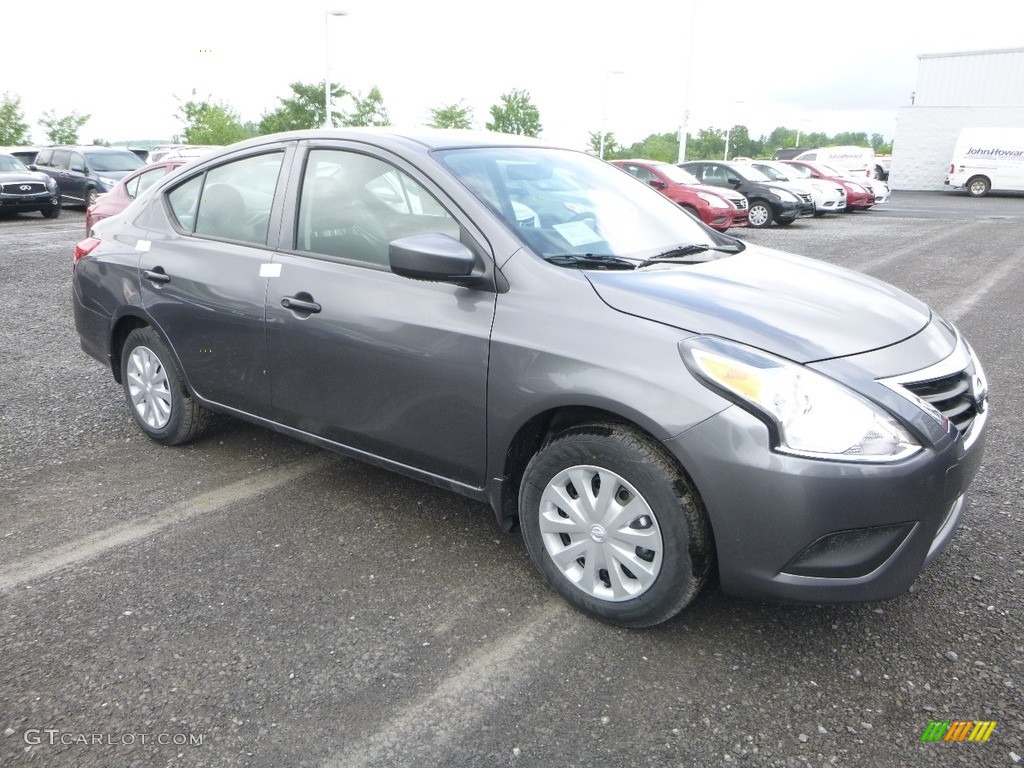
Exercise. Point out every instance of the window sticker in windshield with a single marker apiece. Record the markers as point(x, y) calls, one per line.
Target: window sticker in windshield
point(578, 233)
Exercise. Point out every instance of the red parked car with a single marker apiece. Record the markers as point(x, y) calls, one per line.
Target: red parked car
point(858, 197)
point(717, 208)
point(127, 189)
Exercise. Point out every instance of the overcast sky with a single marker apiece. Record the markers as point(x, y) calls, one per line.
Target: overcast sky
point(817, 66)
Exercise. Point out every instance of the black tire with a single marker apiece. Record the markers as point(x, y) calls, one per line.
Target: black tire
point(978, 186)
point(52, 212)
point(660, 503)
point(91, 196)
point(170, 416)
point(760, 214)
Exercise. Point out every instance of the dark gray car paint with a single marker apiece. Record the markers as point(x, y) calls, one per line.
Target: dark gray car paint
point(556, 342)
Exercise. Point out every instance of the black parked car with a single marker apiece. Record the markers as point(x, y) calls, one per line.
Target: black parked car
point(768, 201)
point(653, 402)
point(85, 173)
point(25, 190)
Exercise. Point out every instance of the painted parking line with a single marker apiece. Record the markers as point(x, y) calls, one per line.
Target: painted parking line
point(96, 544)
point(980, 288)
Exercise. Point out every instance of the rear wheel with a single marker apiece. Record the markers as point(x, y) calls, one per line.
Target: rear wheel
point(614, 525)
point(154, 389)
point(978, 186)
point(759, 214)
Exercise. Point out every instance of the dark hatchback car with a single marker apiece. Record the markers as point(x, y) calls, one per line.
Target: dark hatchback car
point(767, 202)
point(22, 190)
point(85, 173)
point(652, 401)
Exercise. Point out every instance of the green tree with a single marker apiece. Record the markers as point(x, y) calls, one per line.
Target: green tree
point(303, 109)
point(708, 144)
point(209, 122)
point(849, 138)
point(611, 146)
point(515, 114)
point(452, 116)
point(657, 146)
point(880, 145)
point(13, 128)
point(100, 143)
point(370, 110)
point(780, 138)
point(62, 130)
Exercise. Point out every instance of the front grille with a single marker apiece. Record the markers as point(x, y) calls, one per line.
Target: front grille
point(805, 196)
point(16, 188)
point(739, 202)
point(952, 397)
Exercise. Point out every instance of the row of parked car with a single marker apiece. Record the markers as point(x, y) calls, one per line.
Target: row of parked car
point(758, 193)
point(45, 179)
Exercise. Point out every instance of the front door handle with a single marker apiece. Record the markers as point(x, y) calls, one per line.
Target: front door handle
point(156, 275)
point(296, 304)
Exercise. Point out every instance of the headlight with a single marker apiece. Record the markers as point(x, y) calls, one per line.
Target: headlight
point(108, 182)
point(808, 414)
point(713, 200)
point(51, 183)
point(858, 188)
point(783, 194)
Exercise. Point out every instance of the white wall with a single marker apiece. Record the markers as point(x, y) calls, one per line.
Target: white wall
point(926, 136)
point(973, 78)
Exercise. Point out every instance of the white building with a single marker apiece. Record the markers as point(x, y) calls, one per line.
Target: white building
point(973, 89)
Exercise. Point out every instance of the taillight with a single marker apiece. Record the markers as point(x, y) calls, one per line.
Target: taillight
point(83, 249)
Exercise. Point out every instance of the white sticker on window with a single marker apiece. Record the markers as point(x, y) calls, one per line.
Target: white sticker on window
point(578, 233)
point(270, 270)
point(142, 245)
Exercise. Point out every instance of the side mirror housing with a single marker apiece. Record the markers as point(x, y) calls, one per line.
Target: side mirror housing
point(658, 184)
point(435, 258)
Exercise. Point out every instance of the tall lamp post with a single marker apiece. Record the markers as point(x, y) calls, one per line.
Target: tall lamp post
point(728, 128)
point(686, 93)
point(604, 114)
point(328, 118)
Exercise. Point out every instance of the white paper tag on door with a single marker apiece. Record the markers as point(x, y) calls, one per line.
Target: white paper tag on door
point(270, 270)
point(142, 245)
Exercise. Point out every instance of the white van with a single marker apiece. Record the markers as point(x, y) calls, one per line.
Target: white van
point(988, 158)
point(853, 161)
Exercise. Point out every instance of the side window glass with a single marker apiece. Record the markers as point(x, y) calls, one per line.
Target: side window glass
point(77, 163)
point(184, 202)
point(44, 157)
point(60, 158)
point(144, 181)
point(811, 156)
point(353, 205)
point(237, 198)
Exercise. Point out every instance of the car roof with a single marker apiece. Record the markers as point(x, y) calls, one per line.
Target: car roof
point(425, 139)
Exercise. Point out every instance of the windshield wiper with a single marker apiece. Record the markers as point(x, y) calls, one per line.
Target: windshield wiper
point(685, 254)
point(590, 261)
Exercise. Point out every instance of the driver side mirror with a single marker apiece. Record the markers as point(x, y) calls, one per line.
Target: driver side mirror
point(658, 184)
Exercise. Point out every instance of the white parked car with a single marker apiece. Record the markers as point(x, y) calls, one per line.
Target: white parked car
point(877, 187)
point(828, 196)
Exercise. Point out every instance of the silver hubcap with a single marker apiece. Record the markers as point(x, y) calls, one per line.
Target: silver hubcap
point(978, 187)
point(600, 533)
point(149, 387)
point(758, 215)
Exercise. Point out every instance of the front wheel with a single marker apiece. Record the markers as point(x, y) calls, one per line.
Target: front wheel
point(91, 196)
point(154, 389)
point(784, 222)
point(759, 214)
point(52, 212)
point(614, 525)
point(978, 186)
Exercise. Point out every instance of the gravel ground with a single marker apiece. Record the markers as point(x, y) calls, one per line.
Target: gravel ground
point(287, 607)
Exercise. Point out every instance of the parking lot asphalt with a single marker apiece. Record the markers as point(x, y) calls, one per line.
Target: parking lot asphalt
point(248, 600)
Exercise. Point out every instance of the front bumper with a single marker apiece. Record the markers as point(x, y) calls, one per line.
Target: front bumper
point(12, 203)
point(800, 529)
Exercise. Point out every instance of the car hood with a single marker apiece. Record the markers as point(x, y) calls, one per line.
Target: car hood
point(21, 177)
point(795, 307)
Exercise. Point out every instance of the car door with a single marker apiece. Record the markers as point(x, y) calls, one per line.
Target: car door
point(77, 177)
point(204, 280)
point(385, 365)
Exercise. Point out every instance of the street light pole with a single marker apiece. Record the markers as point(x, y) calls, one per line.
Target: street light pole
point(686, 93)
point(728, 129)
point(328, 118)
point(604, 114)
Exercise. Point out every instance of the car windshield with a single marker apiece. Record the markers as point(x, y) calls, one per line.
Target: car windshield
point(563, 203)
point(774, 172)
point(827, 170)
point(677, 174)
point(798, 171)
point(112, 162)
point(749, 173)
point(11, 163)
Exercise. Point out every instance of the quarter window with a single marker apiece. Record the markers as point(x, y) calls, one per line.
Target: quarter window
point(352, 205)
point(144, 181)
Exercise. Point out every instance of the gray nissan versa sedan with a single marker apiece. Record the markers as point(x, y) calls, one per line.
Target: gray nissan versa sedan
point(652, 401)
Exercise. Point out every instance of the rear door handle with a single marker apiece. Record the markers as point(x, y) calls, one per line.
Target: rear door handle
point(300, 305)
point(156, 275)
